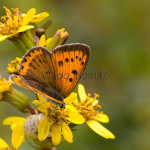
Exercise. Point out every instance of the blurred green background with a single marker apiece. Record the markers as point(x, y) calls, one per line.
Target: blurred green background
point(118, 33)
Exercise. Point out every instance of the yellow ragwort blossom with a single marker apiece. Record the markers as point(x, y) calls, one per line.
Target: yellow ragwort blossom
point(43, 41)
point(5, 86)
point(13, 66)
point(92, 117)
point(56, 121)
point(16, 22)
point(4, 145)
point(17, 127)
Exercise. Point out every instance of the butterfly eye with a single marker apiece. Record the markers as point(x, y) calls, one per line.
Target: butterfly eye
point(66, 59)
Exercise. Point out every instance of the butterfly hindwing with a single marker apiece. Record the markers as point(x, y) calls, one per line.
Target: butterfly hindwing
point(33, 86)
point(20, 81)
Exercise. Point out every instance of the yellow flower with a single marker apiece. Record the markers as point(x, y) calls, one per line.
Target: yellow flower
point(4, 145)
point(17, 127)
point(92, 117)
point(13, 66)
point(12, 24)
point(56, 121)
point(43, 41)
point(5, 86)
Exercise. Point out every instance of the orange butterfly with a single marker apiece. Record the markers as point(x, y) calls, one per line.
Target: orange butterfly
point(53, 74)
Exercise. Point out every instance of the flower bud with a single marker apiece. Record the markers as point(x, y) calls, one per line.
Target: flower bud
point(59, 38)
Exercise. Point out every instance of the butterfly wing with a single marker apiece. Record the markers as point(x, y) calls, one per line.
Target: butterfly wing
point(20, 81)
point(69, 62)
point(32, 85)
point(53, 75)
point(37, 70)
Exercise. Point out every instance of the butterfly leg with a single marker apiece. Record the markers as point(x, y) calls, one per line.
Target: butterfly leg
point(53, 111)
point(41, 104)
point(62, 119)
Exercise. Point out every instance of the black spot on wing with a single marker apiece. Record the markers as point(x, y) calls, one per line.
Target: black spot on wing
point(67, 60)
point(71, 59)
point(74, 72)
point(60, 63)
point(70, 79)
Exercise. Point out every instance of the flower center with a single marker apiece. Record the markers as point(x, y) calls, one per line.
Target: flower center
point(56, 116)
point(11, 22)
point(87, 107)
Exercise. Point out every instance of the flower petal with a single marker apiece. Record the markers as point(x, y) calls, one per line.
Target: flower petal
point(14, 120)
point(3, 144)
point(42, 40)
point(5, 85)
point(18, 135)
point(74, 116)
point(102, 118)
point(95, 102)
point(41, 98)
point(44, 128)
point(66, 132)
point(82, 93)
point(71, 98)
point(24, 28)
point(48, 40)
point(29, 16)
point(99, 129)
point(56, 134)
point(40, 17)
point(41, 106)
point(4, 37)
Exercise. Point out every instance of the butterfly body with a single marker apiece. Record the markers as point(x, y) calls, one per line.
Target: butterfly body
point(52, 74)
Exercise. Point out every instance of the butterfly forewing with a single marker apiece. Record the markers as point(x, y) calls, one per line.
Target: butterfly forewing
point(38, 70)
point(70, 61)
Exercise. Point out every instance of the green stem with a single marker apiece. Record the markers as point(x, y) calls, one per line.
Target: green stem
point(31, 109)
point(29, 35)
point(21, 95)
point(28, 42)
point(24, 42)
point(14, 101)
point(18, 100)
point(20, 45)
